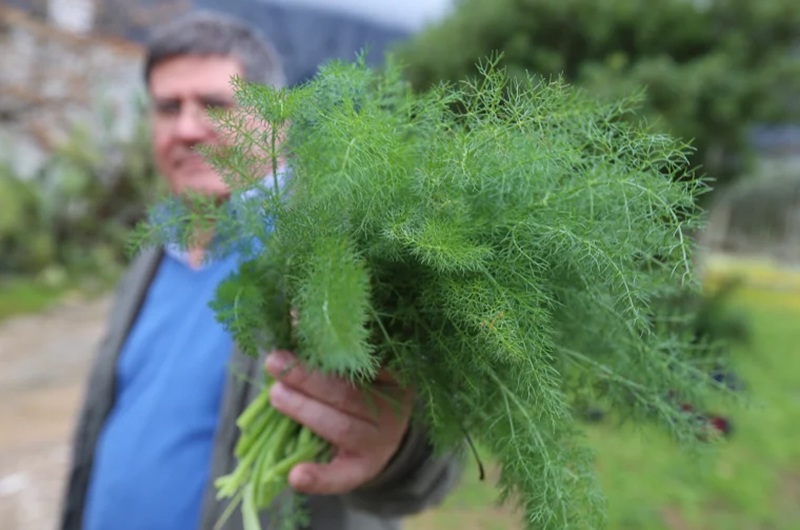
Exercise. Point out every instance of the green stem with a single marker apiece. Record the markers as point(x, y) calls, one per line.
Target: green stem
point(303, 453)
point(270, 445)
point(249, 511)
point(229, 484)
point(234, 502)
point(253, 409)
point(257, 431)
point(274, 447)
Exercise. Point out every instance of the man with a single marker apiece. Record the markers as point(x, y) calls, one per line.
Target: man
point(159, 420)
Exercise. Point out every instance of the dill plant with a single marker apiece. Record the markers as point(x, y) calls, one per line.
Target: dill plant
point(501, 245)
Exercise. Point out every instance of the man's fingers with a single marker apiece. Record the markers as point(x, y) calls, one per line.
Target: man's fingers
point(340, 394)
point(342, 474)
point(344, 431)
point(364, 425)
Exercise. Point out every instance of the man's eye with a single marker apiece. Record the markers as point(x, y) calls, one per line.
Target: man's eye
point(168, 108)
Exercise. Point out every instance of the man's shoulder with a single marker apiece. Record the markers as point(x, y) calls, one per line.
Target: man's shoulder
point(134, 281)
point(141, 268)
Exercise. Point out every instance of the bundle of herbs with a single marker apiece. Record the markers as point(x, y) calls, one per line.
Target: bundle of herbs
point(500, 246)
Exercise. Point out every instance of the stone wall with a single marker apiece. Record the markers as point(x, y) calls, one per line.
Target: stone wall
point(52, 81)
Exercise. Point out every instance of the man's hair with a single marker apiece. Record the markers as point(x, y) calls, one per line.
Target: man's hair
point(207, 33)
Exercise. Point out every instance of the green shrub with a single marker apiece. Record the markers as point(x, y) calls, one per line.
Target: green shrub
point(74, 216)
point(24, 244)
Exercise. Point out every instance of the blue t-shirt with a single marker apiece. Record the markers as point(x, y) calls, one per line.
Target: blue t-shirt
point(152, 459)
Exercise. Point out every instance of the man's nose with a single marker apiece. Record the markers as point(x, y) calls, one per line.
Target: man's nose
point(193, 124)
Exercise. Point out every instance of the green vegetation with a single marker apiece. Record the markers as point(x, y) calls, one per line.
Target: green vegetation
point(507, 259)
point(25, 295)
point(20, 294)
point(72, 220)
point(67, 228)
point(710, 68)
point(749, 481)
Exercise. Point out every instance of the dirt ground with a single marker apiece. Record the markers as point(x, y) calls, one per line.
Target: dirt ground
point(44, 359)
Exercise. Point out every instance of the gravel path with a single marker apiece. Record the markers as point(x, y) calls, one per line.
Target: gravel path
point(44, 359)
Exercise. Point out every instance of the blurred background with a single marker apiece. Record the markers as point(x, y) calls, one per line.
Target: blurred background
point(724, 75)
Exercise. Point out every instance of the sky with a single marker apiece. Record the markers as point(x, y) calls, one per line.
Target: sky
point(408, 14)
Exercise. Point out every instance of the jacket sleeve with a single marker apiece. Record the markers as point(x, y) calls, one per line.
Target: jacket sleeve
point(99, 393)
point(84, 437)
point(415, 479)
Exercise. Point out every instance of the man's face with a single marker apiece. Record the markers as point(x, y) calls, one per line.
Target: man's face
point(182, 90)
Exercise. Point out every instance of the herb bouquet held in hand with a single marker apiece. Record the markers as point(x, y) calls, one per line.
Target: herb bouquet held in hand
point(499, 246)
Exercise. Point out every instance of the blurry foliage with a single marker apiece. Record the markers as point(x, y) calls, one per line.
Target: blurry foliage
point(73, 217)
point(22, 245)
point(710, 68)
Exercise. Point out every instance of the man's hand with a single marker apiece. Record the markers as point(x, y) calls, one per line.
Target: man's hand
point(365, 428)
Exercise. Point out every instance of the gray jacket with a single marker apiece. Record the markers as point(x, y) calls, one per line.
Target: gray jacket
point(413, 480)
